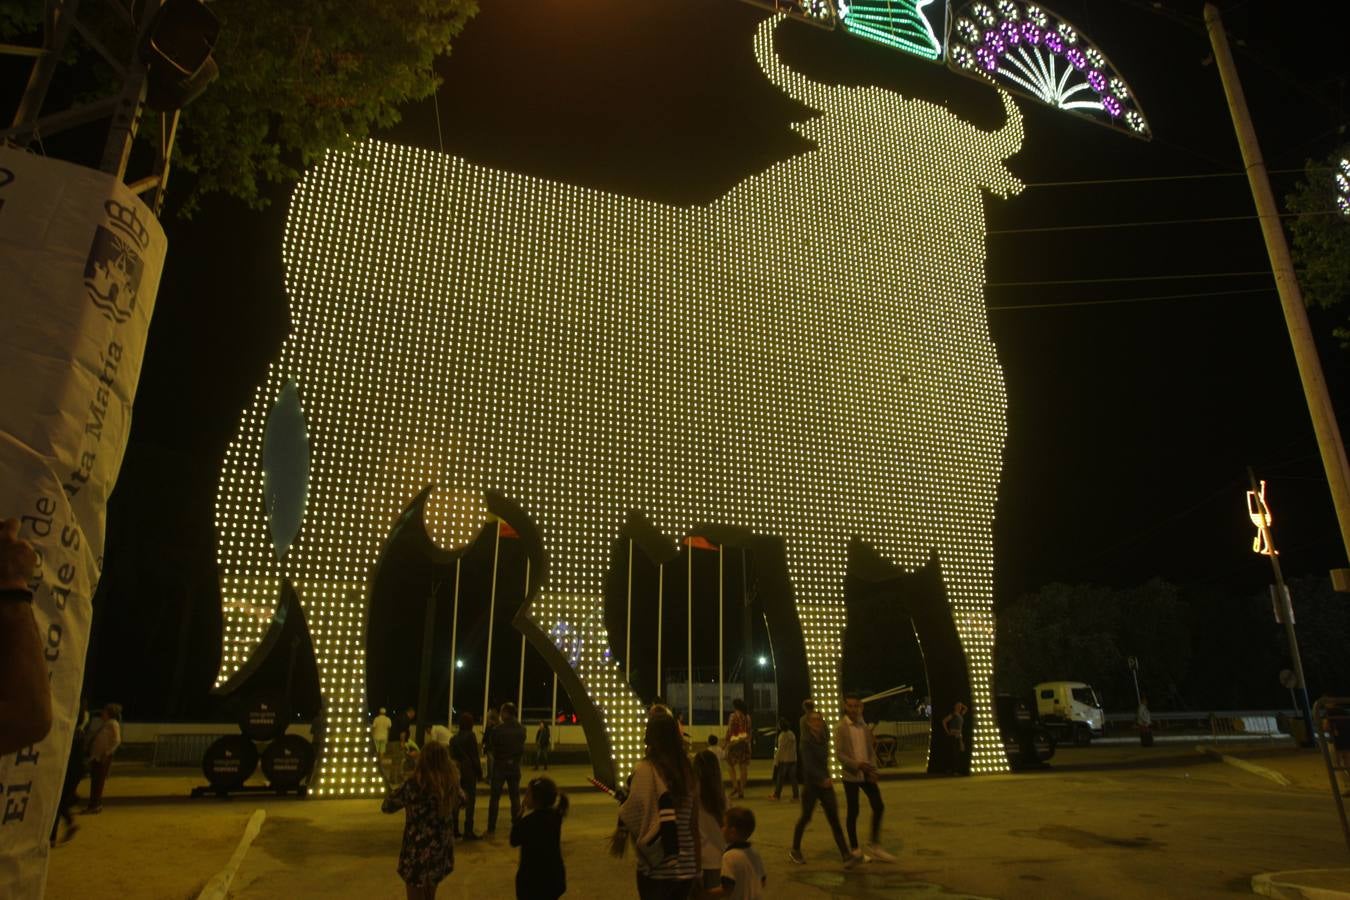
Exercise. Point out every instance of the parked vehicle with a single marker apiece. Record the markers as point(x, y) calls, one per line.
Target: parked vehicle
point(1028, 743)
point(1071, 711)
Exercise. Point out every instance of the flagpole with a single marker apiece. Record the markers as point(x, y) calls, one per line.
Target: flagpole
point(660, 613)
point(520, 688)
point(492, 613)
point(689, 628)
point(454, 637)
point(628, 641)
point(721, 628)
point(553, 717)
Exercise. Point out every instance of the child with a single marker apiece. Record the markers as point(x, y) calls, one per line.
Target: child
point(712, 805)
point(429, 797)
point(410, 753)
point(743, 875)
point(784, 761)
point(716, 750)
point(538, 834)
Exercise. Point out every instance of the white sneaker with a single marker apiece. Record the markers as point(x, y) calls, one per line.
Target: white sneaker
point(875, 852)
point(853, 859)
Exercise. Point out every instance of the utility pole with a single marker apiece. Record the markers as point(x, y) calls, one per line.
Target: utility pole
point(1265, 545)
point(1286, 283)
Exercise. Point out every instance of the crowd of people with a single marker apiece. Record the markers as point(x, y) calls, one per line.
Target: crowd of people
point(675, 810)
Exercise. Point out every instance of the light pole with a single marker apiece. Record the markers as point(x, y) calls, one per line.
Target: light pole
point(1265, 545)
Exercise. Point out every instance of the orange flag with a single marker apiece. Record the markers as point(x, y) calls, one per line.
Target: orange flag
point(699, 542)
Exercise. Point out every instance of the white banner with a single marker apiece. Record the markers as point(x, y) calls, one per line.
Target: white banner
point(80, 261)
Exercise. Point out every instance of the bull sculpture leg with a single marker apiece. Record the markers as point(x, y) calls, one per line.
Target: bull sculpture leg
point(968, 579)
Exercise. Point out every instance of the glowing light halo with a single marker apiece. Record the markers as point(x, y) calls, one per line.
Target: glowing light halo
point(1030, 50)
point(587, 354)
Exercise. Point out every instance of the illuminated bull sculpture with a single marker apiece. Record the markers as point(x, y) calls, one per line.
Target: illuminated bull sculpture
point(807, 356)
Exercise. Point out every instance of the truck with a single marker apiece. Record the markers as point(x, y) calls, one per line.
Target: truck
point(1071, 711)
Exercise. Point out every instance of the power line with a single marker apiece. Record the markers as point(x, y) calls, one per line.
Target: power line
point(1199, 176)
point(1002, 284)
point(1105, 226)
point(1120, 300)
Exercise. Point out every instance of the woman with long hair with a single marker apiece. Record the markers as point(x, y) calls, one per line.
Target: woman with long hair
point(429, 797)
point(738, 748)
point(712, 805)
point(658, 815)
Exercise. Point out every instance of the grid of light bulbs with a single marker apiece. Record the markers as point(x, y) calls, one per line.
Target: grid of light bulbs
point(807, 356)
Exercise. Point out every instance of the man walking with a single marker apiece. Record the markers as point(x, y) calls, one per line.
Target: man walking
point(855, 748)
point(1143, 719)
point(542, 738)
point(464, 751)
point(818, 787)
point(379, 732)
point(508, 746)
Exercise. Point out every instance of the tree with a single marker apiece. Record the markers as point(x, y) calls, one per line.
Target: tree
point(1321, 232)
point(296, 79)
point(1088, 632)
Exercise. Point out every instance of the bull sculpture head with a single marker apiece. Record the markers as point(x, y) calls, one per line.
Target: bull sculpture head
point(843, 109)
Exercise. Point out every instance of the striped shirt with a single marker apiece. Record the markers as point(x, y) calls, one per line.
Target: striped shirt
point(684, 866)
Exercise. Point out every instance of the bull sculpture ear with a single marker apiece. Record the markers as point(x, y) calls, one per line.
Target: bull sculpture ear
point(794, 84)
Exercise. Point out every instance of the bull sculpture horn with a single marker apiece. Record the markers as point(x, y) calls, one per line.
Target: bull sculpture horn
point(794, 84)
point(1008, 139)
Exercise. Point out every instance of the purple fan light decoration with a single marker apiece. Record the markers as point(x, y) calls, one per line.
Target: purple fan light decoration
point(1031, 51)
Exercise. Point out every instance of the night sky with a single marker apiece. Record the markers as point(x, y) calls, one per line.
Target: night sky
point(1130, 424)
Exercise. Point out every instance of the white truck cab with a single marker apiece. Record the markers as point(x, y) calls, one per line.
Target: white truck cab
point(1070, 709)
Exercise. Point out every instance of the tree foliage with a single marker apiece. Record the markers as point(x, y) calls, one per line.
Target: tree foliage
point(1321, 239)
point(296, 79)
point(1087, 633)
point(1197, 649)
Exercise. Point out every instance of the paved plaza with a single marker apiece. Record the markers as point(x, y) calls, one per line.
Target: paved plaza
point(1103, 822)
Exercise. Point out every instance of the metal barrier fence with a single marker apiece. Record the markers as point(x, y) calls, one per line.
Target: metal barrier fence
point(181, 749)
point(1218, 724)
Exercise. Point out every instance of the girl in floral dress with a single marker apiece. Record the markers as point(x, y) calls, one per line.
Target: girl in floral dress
point(429, 797)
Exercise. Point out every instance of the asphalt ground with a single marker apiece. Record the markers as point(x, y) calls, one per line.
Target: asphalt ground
point(1114, 821)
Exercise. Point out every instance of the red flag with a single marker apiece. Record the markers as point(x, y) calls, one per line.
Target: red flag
point(505, 529)
point(699, 542)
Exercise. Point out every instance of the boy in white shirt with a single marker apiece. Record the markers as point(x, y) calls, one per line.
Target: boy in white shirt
point(743, 875)
point(379, 732)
